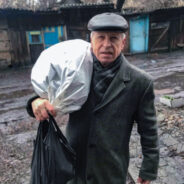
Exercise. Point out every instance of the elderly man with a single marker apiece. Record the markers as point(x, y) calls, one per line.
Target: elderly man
point(120, 95)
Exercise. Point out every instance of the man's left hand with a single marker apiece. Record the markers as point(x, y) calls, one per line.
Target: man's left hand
point(140, 180)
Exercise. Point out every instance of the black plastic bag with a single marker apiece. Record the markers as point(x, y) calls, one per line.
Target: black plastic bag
point(53, 160)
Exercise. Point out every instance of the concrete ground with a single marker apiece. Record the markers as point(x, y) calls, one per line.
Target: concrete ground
point(17, 129)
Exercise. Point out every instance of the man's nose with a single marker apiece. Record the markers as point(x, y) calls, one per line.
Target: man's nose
point(107, 42)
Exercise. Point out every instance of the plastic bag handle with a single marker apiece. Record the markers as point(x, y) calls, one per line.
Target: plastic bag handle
point(60, 134)
point(51, 119)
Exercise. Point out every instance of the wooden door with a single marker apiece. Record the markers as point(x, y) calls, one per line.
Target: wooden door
point(139, 29)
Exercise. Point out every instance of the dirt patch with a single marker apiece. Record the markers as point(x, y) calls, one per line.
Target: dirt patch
point(15, 162)
point(171, 81)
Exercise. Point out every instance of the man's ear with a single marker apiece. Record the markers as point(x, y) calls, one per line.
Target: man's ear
point(91, 46)
point(91, 49)
point(123, 43)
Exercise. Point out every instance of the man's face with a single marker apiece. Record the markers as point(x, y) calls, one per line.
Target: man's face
point(107, 46)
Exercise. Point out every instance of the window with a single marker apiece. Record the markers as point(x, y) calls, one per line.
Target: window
point(35, 38)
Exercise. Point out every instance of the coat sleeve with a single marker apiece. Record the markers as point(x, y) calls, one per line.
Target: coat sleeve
point(29, 106)
point(147, 128)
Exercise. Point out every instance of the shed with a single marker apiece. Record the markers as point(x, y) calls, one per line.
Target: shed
point(25, 33)
point(154, 25)
point(14, 26)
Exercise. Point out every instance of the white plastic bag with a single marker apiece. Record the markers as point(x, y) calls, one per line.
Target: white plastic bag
point(62, 74)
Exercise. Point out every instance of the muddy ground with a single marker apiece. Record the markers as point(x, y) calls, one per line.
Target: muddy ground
point(17, 129)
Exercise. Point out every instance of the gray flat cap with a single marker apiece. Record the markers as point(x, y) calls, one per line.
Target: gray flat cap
point(107, 21)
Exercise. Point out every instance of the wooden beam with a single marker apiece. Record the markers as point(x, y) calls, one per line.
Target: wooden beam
point(159, 49)
point(160, 37)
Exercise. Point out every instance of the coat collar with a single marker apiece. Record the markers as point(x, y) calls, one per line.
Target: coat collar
point(117, 84)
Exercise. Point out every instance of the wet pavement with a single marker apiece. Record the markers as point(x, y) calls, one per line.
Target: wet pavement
point(17, 129)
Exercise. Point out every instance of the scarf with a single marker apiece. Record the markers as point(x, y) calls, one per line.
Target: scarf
point(103, 76)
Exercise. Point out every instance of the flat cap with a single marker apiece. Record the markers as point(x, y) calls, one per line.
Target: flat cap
point(107, 21)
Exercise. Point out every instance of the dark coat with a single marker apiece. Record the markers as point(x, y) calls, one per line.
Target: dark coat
point(100, 134)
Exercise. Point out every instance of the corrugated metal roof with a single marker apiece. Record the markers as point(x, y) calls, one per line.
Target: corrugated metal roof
point(59, 6)
point(84, 5)
point(145, 6)
point(130, 11)
point(23, 11)
point(11, 10)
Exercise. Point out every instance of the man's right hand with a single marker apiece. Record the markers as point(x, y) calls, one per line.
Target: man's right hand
point(41, 107)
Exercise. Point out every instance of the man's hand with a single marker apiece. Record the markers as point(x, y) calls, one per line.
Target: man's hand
point(41, 107)
point(140, 180)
